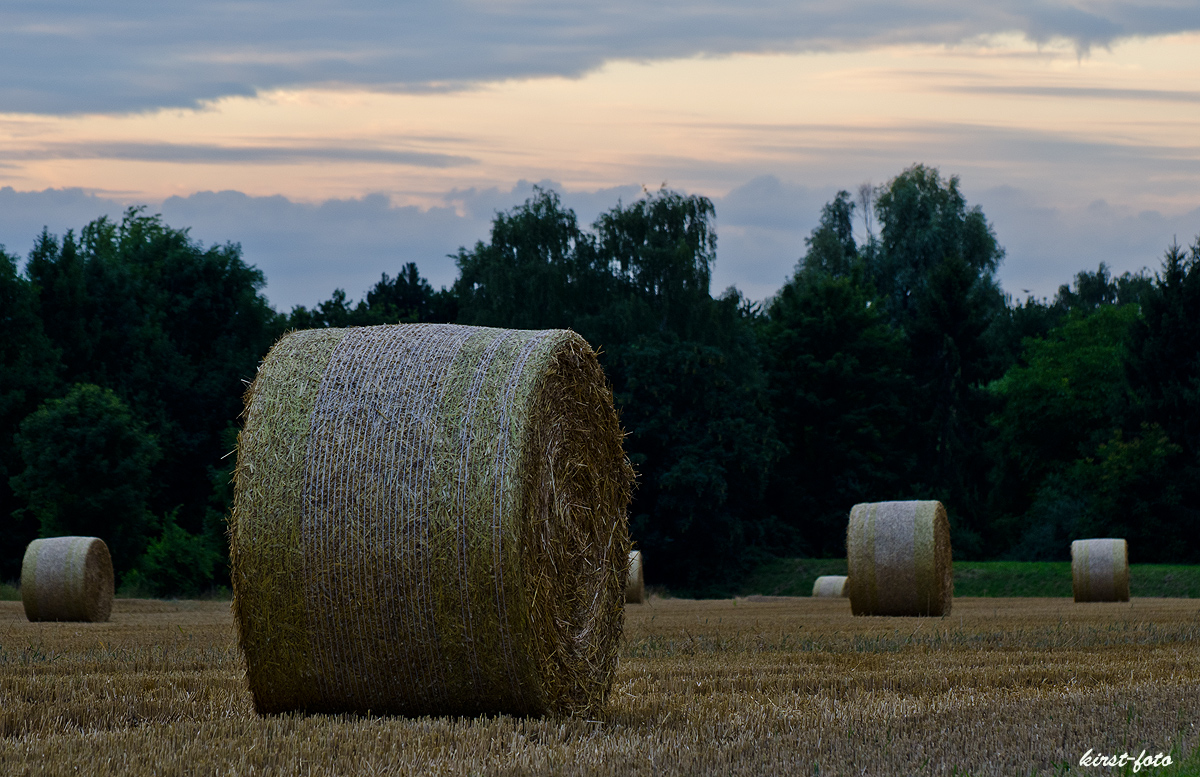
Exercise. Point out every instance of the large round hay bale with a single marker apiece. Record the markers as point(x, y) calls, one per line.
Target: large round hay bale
point(899, 559)
point(67, 579)
point(1100, 570)
point(635, 582)
point(830, 586)
point(430, 519)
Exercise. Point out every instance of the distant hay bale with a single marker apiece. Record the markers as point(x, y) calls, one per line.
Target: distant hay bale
point(830, 586)
point(899, 559)
point(1100, 570)
point(67, 579)
point(430, 519)
point(635, 583)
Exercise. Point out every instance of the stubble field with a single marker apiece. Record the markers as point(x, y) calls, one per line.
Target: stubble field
point(747, 686)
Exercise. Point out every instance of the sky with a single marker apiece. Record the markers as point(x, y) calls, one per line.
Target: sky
point(336, 142)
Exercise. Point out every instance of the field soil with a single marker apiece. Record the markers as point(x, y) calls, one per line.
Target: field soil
point(758, 685)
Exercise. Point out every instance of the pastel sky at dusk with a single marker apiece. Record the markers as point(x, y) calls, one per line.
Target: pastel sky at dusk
point(336, 142)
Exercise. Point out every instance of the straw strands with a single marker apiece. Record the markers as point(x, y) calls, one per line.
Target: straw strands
point(899, 559)
point(430, 519)
point(67, 579)
point(635, 583)
point(1100, 570)
point(830, 586)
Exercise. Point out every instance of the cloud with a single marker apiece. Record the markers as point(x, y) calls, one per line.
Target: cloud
point(1047, 245)
point(23, 215)
point(201, 153)
point(1084, 93)
point(308, 250)
point(761, 227)
point(481, 205)
point(123, 56)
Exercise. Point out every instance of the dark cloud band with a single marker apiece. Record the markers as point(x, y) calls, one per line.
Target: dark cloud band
point(71, 56)
point(1084, 93)
point(180, 153)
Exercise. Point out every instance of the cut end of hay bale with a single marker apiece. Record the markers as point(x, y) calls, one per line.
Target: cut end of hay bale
point(635, 582)
point(1100, 570)
point(899, 559)
point(830, 586)
point(430, 519)
point(67, 579)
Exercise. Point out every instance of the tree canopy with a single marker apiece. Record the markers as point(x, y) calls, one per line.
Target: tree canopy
point(891, 368)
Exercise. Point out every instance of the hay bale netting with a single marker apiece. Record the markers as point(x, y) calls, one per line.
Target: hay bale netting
point(635, 583)
point(899, 559)
point(67, 579)
point(430, 519)
point(830, 586)
point(1100, 570)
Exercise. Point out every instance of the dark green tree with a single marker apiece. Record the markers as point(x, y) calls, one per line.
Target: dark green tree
point(1035, 318)
point(662, 249)
point(1020, 321)
point(171, 327)
point(333, 312)
point(538, 270)
point(1125, 488)
point(701, 439)
point(1085, 444)
point(684, 366)
point(176, 562)
point(692, 393)
point(1095, 290)
point(951, 367)
point(88, 471)
point(1069, 396)
point(29, 368)
point(1164, 367)
point(935, 268)
point(1164, 374)
point(408, 298)
point(832, 250)
point(924, 220)
point(838, 385)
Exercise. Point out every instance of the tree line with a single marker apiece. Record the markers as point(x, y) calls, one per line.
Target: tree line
point(892, 368)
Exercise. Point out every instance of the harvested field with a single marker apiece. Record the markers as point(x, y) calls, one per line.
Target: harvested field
point(749, 686)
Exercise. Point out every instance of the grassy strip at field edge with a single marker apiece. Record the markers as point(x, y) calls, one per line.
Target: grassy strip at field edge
point(795, 577)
